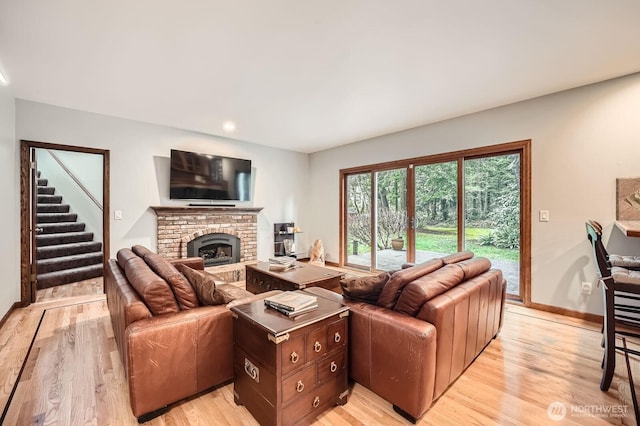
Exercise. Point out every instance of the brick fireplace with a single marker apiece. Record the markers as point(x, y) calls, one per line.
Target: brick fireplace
point(178, 225)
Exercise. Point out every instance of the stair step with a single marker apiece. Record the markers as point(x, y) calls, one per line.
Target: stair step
point(51, 279)
point(43, 182)
point(46, 190)
point(64, 238)
point(69, 262)
point(53, 208)
point(49, 199)
point(56, 217)
point(61, 250)
point(59, 228)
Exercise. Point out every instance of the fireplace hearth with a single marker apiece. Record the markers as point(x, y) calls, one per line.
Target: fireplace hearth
point(216, 249)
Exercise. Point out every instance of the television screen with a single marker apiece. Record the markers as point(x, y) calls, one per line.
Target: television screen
point(208, 177)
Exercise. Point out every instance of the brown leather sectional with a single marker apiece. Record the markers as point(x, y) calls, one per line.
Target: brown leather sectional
point(171, 347)
point(428, 325)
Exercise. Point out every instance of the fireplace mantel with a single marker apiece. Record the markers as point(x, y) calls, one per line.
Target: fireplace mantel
point(208, 209)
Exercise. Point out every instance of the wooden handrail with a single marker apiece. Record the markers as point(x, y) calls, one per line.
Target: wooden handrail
point(75, 179)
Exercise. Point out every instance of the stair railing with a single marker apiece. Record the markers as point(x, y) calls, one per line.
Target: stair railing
point(75, 179)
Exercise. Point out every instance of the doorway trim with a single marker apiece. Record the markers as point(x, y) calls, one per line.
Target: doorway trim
point(27, 291)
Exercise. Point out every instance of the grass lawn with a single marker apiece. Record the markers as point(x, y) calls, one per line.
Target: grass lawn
point(444, 240)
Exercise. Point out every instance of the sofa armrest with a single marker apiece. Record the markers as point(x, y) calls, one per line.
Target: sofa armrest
point(171, 357)
point(467, 317)
point(393, 355)
point(191, 262)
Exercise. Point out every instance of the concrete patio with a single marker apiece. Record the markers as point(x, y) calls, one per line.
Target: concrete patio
point(389, 260)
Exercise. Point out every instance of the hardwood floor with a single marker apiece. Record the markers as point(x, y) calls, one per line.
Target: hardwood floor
point(73, 375)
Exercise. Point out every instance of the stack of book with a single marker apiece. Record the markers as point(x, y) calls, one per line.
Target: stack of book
point(292, 303)
point(281, 264)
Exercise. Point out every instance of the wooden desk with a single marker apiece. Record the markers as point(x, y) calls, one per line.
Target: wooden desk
point(630, 228)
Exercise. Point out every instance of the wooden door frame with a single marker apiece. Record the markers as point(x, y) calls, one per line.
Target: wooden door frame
point(27, 295)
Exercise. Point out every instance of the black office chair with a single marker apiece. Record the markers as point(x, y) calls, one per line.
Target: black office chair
point(620, 286)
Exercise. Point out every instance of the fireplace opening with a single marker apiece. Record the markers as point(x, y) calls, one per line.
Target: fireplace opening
point(215, 249)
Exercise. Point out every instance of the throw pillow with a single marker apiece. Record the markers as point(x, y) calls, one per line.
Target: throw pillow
point(365, 289)
point(204, 285)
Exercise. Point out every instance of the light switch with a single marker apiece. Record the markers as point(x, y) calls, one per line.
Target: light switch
point(544, 215)
point(117, 214)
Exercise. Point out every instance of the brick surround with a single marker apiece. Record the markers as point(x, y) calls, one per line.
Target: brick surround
point(180, 224)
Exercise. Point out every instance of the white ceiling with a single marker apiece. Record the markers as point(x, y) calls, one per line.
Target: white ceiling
point(306, 75)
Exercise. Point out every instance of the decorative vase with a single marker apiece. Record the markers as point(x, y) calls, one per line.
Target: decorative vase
point(397, 243)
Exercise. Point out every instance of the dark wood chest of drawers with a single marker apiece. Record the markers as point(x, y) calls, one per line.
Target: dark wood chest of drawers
point(289, 370)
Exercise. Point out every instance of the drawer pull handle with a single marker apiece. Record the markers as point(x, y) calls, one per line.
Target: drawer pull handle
point(337, 337)
point(333, 367)
point(294, 357)
point(251, 370)
point(316, 402)
point(299, 386)
point(317, 346)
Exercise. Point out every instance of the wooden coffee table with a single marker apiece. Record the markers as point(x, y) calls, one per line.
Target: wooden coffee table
point(260, 279)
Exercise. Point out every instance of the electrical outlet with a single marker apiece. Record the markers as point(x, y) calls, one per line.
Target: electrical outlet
point(586, 287)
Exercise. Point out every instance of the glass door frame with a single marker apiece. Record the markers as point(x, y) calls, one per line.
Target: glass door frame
point(523, 148)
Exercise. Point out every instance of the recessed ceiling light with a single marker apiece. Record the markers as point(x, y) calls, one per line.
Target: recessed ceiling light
point(3, 81)
point(229, 126)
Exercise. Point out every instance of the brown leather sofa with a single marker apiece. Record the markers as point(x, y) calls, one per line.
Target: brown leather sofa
point(171, 347)
point(429, 323)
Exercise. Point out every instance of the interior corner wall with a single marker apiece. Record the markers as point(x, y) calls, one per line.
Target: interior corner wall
point(10, 206)
point(582, 140)
point(139, 169)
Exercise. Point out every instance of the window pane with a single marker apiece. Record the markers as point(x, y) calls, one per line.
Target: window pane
point(492, 213)
point(358, 218)
point(391, 219)
point(436, 210)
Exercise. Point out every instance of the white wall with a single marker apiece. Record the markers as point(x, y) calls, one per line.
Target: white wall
point(582, 140)
point(9, 206)
point(140, 168)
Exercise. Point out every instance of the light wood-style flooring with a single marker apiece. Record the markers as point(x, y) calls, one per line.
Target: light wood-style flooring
point(73, 375)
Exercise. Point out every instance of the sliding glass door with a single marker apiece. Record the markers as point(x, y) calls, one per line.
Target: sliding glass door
point(391, 219)
point(376, 231)
point(436, 210)
point(492, 213)
point(424, 208)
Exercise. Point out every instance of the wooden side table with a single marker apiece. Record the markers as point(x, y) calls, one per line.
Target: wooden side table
point(288, 370)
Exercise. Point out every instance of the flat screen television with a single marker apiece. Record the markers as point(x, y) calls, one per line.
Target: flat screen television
point(196, 176)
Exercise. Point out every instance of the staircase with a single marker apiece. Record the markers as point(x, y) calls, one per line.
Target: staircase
point(65, 252)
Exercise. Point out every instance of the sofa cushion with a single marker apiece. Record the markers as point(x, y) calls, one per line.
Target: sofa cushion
point(152, 289)
point(365, 289)
point(124, 256)
point(419, 291)
point(204, 284)
point(397, 281)
point(186, 296)
point(140, 250)
point(457, 257)
point(474, 267)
